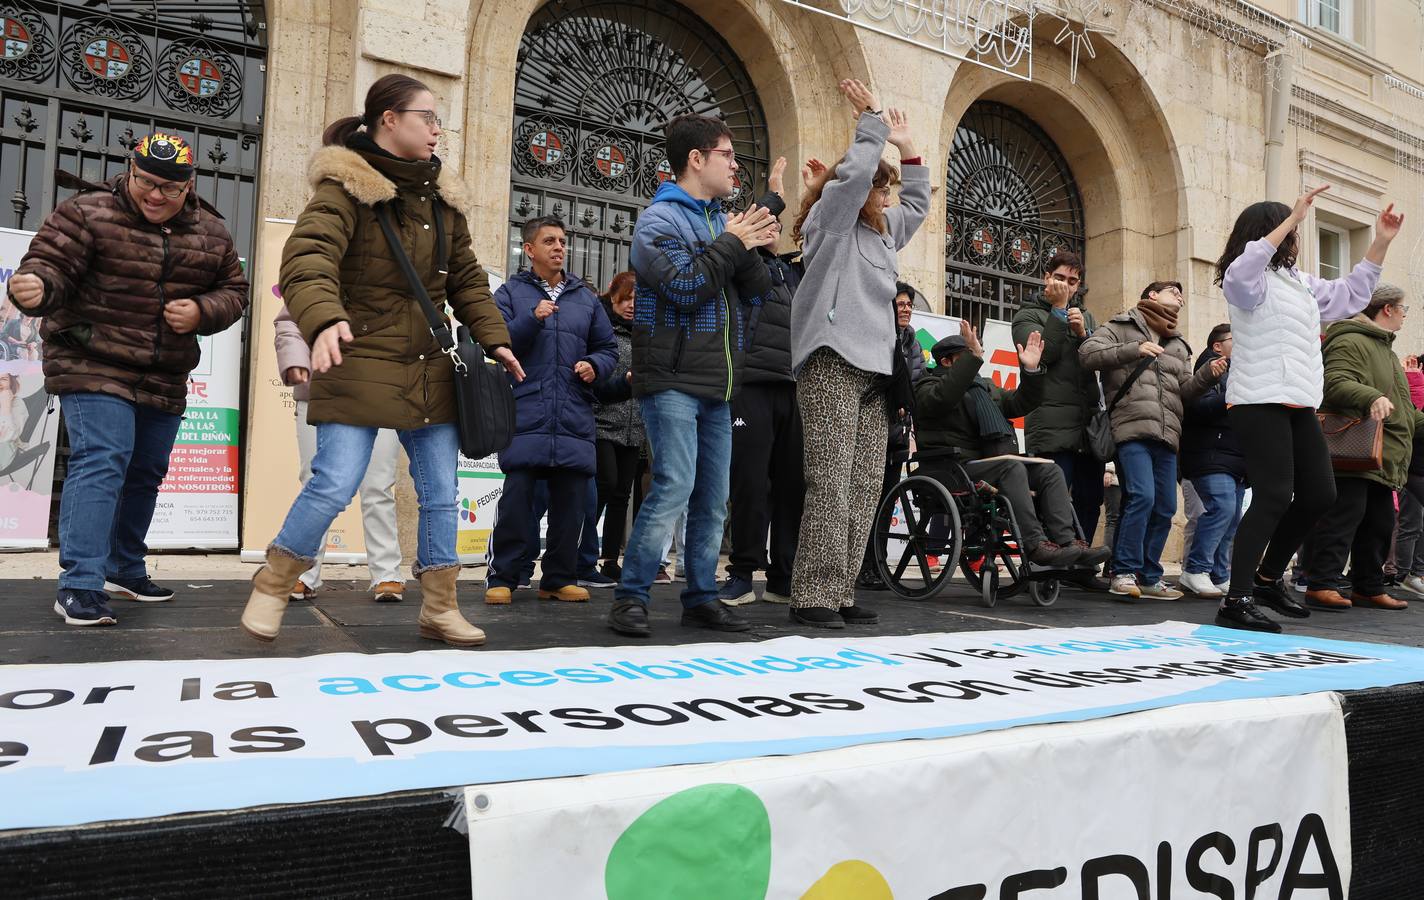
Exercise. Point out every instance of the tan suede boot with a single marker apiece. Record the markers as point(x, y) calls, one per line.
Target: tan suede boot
point(271, 587)
point(440, 618)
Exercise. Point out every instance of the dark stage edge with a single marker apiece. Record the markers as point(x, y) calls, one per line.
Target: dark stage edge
point(401, 845)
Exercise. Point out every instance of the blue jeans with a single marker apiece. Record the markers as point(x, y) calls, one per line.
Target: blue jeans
point(691, 440)
point(1148, 471)
point(342, 453)
point(1221, 495)
point(118, 457)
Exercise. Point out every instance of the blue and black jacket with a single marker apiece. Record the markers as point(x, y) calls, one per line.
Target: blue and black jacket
point(690, 318)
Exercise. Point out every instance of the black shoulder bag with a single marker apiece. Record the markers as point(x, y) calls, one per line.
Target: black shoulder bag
point(1099, 436)
point(484, 400)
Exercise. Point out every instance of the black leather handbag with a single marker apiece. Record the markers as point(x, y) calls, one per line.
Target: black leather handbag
point(484, 400)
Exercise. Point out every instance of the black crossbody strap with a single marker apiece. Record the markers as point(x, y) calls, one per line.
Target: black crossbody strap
point(1137, 372)
point(439, 325)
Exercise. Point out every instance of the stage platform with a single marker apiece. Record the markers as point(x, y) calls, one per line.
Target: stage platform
point(413, 843)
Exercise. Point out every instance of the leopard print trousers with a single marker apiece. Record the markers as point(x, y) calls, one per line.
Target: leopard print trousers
point(845, 428)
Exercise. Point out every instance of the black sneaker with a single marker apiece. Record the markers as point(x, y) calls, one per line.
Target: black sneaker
point(1278, 597)
point(1241, 612)
point(715, 616)
point(596, 580)
point(78, 607)
point(141, 589)
point(611, 570)
point(629, 617)
point(817, 617)
point(859, 615)
point(870, 580)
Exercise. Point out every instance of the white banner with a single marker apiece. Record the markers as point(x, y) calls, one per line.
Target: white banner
point(29, 421)
point(1223, 799)
point(116, 740)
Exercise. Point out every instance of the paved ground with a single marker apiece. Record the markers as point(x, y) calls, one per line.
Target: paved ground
point(202, 621)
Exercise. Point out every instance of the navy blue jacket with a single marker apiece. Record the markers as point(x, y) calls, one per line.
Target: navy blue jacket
point(553, 408)
point(695, 282)
point(1208, 444)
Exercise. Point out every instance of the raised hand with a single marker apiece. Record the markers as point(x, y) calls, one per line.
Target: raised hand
point(776, 180)
point(1302, 206)
point(1032, 352)
point(326, 350)
point(754, 228)
point(1076, 323)
point(810, 172)
point(1389, 223)
point(971, 338)
point(859, 96)
point(900, 132)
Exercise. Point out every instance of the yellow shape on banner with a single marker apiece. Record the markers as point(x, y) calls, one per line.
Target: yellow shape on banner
point(852, 879)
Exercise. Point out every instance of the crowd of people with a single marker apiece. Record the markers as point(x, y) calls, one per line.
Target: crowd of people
point(720, 391)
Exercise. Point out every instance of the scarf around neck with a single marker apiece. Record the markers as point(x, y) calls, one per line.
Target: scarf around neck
point(994, 429)
point(1161, 318)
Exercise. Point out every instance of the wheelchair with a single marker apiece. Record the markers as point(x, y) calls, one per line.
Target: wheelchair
point(967, 523)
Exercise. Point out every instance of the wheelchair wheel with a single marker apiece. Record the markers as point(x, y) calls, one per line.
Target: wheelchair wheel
point(917, 519)
point(1045, 593)
point(1001, 549)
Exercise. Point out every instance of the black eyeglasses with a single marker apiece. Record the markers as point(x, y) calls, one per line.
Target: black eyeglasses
point(170, 189)
point(729, 153)
point(431, 119)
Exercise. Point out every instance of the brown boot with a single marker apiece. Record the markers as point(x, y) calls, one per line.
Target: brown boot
point(1328, 600)
point(1378, 601)
point(569, 593)
point(271, 588)
point(440, 618)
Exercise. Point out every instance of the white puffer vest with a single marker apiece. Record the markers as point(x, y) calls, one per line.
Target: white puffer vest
point(1275, 355)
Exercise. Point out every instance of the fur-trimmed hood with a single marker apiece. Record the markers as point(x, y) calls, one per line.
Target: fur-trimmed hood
point(367, 186)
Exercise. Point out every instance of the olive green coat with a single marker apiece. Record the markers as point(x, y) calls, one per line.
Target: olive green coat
point(1360, 367)
point(338, 267)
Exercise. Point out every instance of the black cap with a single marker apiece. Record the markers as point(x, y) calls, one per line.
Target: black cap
point(167, 156)
point(948, 347)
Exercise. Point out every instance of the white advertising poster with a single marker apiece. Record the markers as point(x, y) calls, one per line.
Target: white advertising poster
point(29, 422)
point(197, 502)
point(1213, 800)
point(133, 739)
point(481, 484)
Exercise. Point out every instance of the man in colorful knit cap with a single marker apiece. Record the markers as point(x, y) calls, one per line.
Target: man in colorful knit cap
point(127, 274)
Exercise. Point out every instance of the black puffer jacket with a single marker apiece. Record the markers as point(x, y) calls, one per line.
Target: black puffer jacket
point(768, 359)
point(616, 415)
point(1208, 444)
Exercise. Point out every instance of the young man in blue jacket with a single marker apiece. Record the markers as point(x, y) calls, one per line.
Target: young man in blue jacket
point(697, 274)
point(558, 328)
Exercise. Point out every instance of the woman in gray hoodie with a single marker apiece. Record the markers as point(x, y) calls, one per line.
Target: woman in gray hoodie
point(843, 350)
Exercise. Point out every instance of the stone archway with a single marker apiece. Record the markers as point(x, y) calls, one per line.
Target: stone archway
point(793, 62)
point(1115, 140)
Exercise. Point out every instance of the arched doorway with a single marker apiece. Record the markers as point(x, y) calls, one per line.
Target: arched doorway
point(1011, 204)
point(596, 81)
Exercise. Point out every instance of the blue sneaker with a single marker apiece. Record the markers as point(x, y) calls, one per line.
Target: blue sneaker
point(596, 580)
point(79, 607)
point(736, 592)
point(141, 589)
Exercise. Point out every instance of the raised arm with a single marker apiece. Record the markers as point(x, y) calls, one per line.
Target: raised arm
point(1340, 298)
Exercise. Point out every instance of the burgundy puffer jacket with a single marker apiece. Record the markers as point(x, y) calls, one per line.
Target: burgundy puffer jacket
point(108, 272)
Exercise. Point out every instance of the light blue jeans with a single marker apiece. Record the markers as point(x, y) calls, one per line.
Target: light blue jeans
point(1210, 552)
point(691, 439)
point(342, 454)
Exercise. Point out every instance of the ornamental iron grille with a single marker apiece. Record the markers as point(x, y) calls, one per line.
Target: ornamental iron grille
point(1012, 203)
point(81, 82)
point(596, 82)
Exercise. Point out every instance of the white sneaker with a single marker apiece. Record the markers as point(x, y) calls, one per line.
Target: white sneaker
point(1160, 591)
point(1199, 583)
point(1125, 586)
point(1414, 584)
point(1224, 587)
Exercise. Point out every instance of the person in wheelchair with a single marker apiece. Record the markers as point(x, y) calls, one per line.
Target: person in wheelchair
point(956, 409)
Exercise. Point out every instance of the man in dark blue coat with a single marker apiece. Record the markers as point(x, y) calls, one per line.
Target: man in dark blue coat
point(558, 329)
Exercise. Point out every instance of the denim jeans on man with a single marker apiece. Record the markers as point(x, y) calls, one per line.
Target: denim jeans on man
point(1210, 551)
point(342, 453)
point(691, 442)
point(118, 457)
point(1148, 472)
